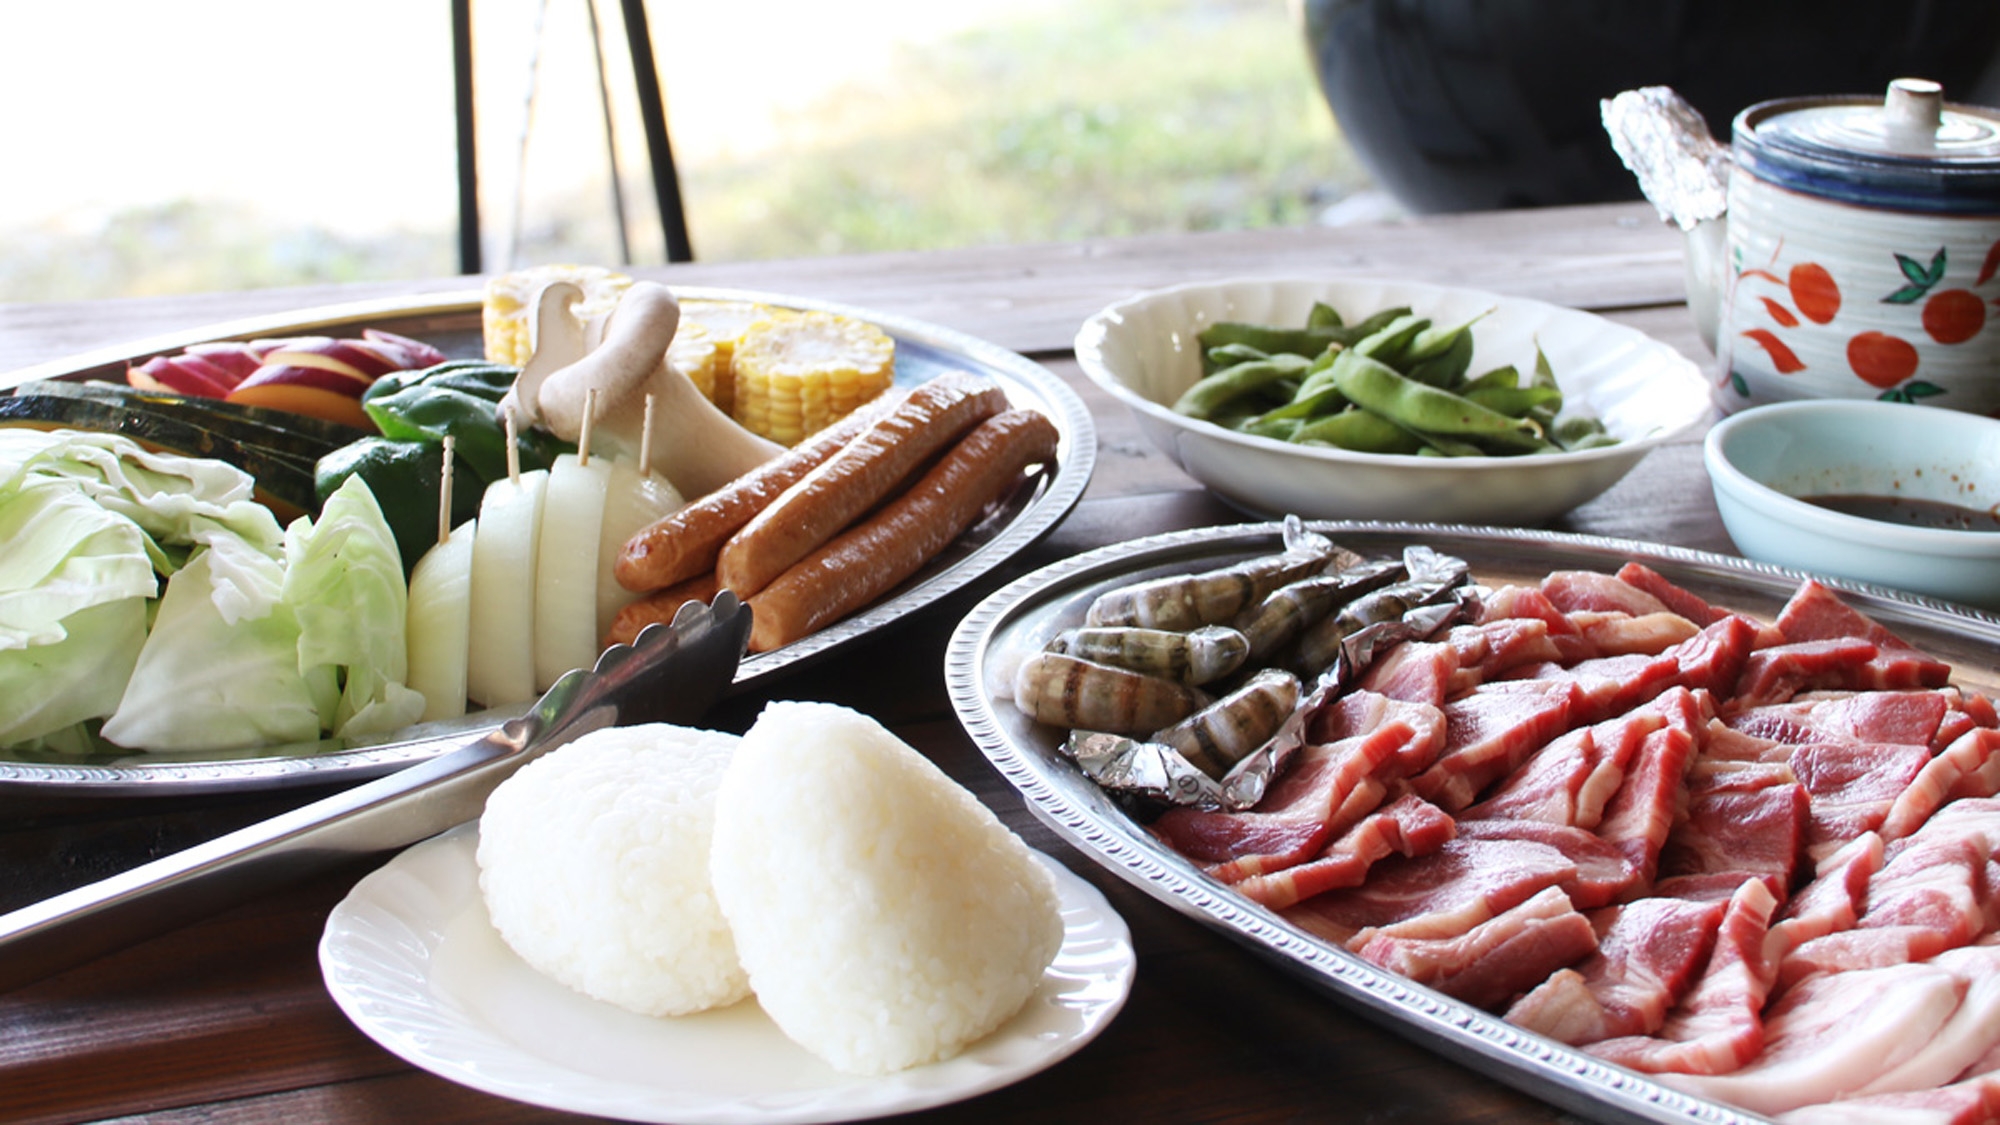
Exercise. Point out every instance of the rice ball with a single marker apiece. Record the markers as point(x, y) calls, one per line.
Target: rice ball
point(593, 860)
point(885, 916)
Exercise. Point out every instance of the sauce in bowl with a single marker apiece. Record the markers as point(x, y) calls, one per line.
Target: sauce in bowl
point(1910, 511)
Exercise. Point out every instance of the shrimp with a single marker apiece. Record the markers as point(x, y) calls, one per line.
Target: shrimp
point(1223, 733)
point(1066, 691)
point(1208, 653)
point(1286, 611)
point(1186, 601)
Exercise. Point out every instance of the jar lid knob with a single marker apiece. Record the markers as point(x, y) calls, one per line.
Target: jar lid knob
point(1912, 113)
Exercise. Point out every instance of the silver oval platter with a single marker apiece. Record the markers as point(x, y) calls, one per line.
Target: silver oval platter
point(451, 322)
point(1020, 617)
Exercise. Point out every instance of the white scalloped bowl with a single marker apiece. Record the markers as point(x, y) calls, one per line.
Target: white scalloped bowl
point(1143, 351)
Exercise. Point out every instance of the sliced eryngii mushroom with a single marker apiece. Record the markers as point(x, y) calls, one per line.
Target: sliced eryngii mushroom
point(558, 338)
point(693, 444)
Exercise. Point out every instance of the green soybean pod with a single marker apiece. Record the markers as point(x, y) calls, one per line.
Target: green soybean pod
point(1229, 355)
point(1208, 396)
point(1324, 315)
point(1508, 376)
point(1429, 410)
point(1362, 431)
point(1272, 340)
point(1517, 402)
point(1392, 341)
point(1267, 425)
point(1442, 361)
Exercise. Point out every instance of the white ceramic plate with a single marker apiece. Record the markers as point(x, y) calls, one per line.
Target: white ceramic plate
point(410, 957)
point(1143, 351)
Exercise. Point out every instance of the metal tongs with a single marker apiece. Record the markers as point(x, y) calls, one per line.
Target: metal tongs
point(670, 673)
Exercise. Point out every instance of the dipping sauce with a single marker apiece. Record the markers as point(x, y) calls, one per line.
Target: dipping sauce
point(1910, 511)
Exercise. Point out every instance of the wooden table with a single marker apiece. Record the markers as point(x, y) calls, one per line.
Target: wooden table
point(227, 1020)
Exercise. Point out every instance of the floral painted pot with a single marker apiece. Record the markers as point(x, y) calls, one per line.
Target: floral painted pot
point(1860, 253)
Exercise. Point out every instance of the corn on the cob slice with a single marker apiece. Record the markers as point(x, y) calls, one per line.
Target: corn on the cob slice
point(796, 374)
point(724, 323)
point(507, 313)
point(695, 353)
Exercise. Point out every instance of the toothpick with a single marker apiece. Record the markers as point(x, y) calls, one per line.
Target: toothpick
point(444, 489)
point(583, 432)
point(513, 448)
point(646, 439)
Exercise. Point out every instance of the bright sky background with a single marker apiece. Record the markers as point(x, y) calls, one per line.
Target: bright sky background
point(342, 113)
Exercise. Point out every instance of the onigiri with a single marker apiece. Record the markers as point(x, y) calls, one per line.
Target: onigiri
point(885, 917)
point(593, 862)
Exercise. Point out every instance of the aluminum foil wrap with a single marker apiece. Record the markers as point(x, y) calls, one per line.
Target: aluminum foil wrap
point(1434, 594)
point(1680, 166)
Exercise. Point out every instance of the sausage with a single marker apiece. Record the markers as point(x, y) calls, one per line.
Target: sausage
point(869, 559)
point(869, 468)
point(684, 544)
point(659, 606)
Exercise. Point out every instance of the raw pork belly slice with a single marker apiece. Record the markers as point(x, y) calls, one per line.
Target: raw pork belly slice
point(1974, 1101)
point(1603, 873)
point(1965, 768)
point(1641, 816)
point(1931, 895)
point(1414, 672)
point(1908, 717)
point(1622, 634)
point(1489, 733)
point(1717, 1027)
point(1815, 613)
point(1495, 960)
point(1575, 590)
point(1313, 801)
point(1569, 780)
point(1528, 603)
point(1409, 826)
point(1972, 1031)
point(1853, 787)
point(1748, 821)
point(1363, 712)
point(1488, 650)
point(1834, 1035)
point(1439, 895)
point(1648, 953)
point(1834, 900)
point(1667, 594)
point(1709, 661)
point(1777, 673)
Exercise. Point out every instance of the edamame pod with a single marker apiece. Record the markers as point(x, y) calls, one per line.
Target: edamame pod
point(1360, 430)
point(1207, 397)
point(1430, 410)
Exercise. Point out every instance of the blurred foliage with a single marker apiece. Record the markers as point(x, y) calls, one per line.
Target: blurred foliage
point(1098, 118)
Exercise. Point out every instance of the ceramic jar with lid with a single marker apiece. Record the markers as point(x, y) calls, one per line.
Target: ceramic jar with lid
point(1860, 253)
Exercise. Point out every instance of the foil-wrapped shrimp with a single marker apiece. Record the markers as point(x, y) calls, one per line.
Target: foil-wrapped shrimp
point(1287, 611)
point(1198, 657)
point(1432, 578)
point(1224, 732)
point(1184, 602)
point(1067, 691)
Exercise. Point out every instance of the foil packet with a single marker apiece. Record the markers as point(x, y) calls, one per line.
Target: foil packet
point(1666, 143)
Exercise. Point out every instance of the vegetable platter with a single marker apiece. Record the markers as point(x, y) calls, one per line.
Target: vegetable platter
point(450, 322)
point(1023, 616)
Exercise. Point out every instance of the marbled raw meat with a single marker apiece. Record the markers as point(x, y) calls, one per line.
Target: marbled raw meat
point(1490, 732)
point(1832, 1036)
point(1853, 787)
point(1360, 712)
point(1603, 872)
point(1408, 826)
point(1648, 953)
point(1815, 613)
point(1974, 1101)
point(1777, 673)
point(1833, 902)
point(1718, 1026)
point(1494, 960)
point(1639, 818)
point(1748, 821)
point(1972, 1031)
point(1909, 717)
point(1439, 895)
point(1967, 767)
point(1574, 590)
point(1623, 634)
